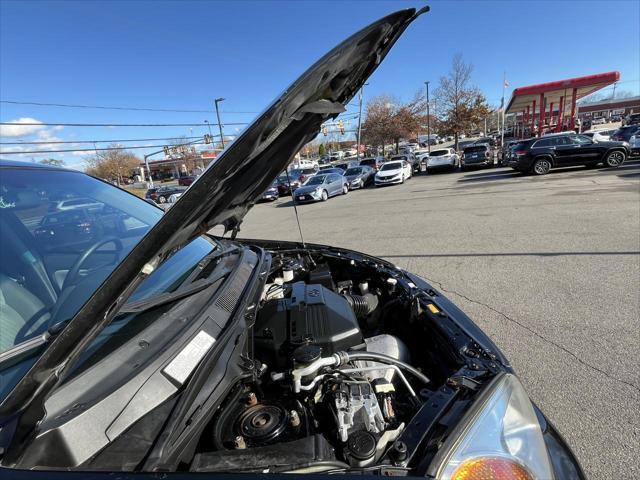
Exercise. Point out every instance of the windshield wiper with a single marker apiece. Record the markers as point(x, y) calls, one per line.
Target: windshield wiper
point(164, 298)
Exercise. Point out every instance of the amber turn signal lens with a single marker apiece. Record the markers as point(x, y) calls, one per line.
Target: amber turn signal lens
point(491, 469)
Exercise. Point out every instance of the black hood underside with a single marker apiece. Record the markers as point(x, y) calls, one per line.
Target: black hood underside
point(221, 196)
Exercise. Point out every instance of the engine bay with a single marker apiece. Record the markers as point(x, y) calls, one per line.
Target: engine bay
point(354, 369)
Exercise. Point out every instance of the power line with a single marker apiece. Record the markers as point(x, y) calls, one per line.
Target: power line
point(87, 149)
point(103, 107)
point(104, 141)
point(116, 124)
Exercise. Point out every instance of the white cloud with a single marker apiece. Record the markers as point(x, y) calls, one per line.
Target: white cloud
point(81, 154)
point(20, 130)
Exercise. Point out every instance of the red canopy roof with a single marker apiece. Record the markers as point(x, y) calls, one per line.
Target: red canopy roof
point(552, 91)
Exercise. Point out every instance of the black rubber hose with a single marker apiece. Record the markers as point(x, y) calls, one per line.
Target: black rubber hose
point(328, 464)
point(379, 357)
point(362, 305)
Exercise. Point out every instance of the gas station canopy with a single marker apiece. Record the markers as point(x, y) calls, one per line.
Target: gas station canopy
point(562, 93)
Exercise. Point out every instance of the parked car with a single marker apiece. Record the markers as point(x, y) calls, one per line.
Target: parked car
point(599, 135)
point(67, 227)
point(373, 162)
point(616, 118)
point(634, 145)
point(359, 177)
point(631, 119)
point(598, 121)
point(190, 355)
point(624, 134)
point(476, 155)
point(539, 155)
point(394, 171)
point(270, 194)
point(302, 174)
point(442, 158)
point(162, 194)
point(335, 169)
point(410, 158)
point(286, 184)
point(463, 145)
point(491, 141)
point(504, 152)
point(321, 187)
point(173, 198)
point(305, 163)
point(187, 180)
point(346, 165)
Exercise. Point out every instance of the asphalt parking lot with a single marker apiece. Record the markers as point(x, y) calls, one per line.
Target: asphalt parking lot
point(548, 266)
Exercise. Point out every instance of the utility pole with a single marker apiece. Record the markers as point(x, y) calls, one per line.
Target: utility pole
point(428, 121)
point(216, 101)
point(360, 120)
point(146, 163)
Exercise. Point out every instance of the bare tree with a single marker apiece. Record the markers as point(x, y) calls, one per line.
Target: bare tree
point(388, 120)
point(461, 106)
point(55, 162)
point(113, 164)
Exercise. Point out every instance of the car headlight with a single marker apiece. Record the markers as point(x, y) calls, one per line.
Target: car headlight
point(498, 439)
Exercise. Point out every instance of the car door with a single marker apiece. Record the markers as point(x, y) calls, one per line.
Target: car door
point(333, 181)
point(589, 151)
point(565, 150)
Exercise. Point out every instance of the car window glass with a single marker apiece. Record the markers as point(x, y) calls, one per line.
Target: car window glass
point(546, 142)
point(581, 140)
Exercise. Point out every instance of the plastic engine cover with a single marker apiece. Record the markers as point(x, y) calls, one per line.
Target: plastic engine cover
point(311, 314)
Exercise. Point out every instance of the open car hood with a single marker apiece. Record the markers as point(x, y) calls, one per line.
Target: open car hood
point(221, 196)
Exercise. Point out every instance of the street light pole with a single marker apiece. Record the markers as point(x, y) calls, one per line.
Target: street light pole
point(216, 101)
point(209, 126)
point(428, 121)
point(360, 120)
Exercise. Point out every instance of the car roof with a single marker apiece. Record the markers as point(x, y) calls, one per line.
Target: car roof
point(21, 164)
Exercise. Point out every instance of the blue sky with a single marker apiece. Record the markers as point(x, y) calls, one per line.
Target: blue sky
point(165, 54)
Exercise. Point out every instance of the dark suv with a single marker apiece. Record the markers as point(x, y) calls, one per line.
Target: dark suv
point(539, 155)
point(624, 134)
point(477, 155)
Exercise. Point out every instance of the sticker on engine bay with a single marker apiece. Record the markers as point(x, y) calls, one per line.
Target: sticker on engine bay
point(186, 361)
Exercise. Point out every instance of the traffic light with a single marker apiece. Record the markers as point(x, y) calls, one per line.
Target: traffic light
point(341, 127)
point(208, 138)
point(324, 130)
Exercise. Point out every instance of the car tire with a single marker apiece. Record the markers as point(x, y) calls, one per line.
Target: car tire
point(325, 196)
point(541, 166)
point(161, 199)
point(614, 159)
point(345, 189)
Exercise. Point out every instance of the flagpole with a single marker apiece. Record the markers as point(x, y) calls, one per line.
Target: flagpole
point(504, 86)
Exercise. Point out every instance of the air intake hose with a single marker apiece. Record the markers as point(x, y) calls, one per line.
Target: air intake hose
point(362, 305)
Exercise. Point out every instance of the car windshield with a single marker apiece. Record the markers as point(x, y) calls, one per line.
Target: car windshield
point(368, 161)
point(53, 260)
point(399, 157)
point(391, 166)
point(353, 171)
point(315, 180)
point(439, 153)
